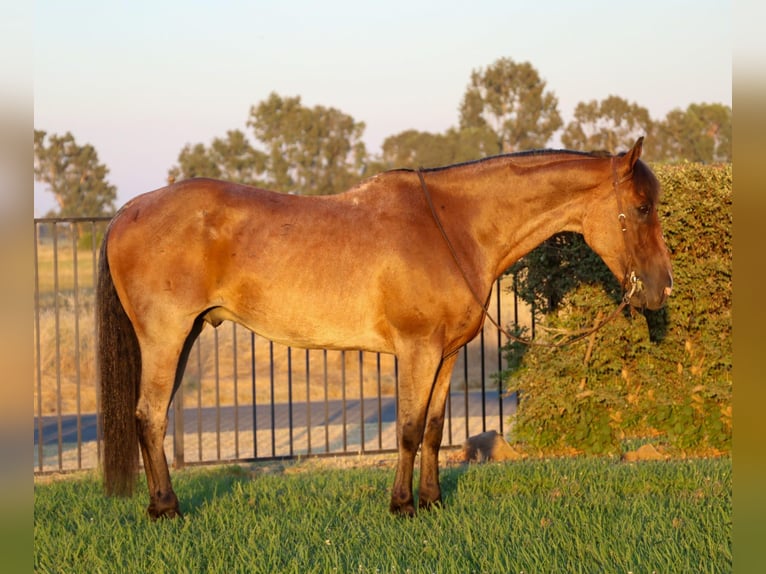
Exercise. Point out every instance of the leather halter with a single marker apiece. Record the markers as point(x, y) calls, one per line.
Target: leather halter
point(573, 336)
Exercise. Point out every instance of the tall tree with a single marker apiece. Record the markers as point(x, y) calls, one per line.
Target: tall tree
point(613, 124)
point(701, 133)
point(412, 148)
point(308, 150)
point(510, 100)
point(231, 158)
point(74, 175)
point(194, 161)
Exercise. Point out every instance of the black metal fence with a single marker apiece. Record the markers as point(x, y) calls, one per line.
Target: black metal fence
point(243, 397)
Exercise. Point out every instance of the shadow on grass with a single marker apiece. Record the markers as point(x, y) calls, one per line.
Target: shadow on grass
point(204, 487)
point(449, 478)
point(199, 488)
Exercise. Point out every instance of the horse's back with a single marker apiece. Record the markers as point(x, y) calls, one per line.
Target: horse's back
point(286, 266)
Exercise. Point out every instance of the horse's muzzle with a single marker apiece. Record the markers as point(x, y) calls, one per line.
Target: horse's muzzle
point(648, 296)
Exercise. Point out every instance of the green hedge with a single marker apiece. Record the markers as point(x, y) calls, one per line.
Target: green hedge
point(664, 375)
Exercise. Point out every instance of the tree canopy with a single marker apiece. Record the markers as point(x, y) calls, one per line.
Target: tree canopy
point(298, 149)
point(413, 149)
point(701, 133)
point(294, 148)
point(612, 124)
point(311, 151)
point(510, 99)
point(506, 107)
point(231, 158)
point(74, 175)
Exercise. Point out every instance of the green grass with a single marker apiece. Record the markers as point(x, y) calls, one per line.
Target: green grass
point(568, 515)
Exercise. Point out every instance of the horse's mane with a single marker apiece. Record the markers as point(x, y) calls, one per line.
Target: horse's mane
point(644, 178)
point(532, 156)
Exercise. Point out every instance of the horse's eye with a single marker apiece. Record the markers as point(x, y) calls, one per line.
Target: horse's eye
point(644, 209)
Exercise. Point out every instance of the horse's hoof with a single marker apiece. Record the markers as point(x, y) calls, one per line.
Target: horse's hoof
point(168, 512)
point(407, 510)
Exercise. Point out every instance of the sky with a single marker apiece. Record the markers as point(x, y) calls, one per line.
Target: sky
point(140, 79)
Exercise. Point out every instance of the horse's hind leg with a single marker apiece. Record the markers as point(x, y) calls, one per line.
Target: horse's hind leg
point(157, 382)
point(161, 373)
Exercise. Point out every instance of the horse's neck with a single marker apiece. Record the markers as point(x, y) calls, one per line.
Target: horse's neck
point(511, 210)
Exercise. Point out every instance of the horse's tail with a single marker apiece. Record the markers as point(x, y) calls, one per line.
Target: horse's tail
point(119, 364)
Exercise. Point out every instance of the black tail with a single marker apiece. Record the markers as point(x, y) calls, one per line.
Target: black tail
point(119, 358)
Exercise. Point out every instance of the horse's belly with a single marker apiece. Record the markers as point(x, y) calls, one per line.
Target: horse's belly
point(307, 330)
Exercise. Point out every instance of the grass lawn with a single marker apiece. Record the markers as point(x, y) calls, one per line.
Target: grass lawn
point(565, 515)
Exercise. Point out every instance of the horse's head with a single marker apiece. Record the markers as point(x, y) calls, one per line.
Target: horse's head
point(623, 227)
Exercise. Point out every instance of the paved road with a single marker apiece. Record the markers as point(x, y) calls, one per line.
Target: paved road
point(279, 416)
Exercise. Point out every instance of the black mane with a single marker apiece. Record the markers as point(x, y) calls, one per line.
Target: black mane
point(517, 154)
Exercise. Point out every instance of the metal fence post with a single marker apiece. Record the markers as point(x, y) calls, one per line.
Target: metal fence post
point(178, 429)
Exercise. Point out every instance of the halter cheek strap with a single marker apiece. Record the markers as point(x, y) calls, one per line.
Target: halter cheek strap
point(630, 281)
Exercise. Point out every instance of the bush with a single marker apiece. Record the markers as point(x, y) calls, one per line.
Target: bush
point(664, 374)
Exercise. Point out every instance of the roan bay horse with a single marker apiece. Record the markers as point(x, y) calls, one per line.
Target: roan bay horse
point(402, 263)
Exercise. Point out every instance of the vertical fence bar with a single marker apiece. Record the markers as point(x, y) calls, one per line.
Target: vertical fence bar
point(380, 402)
point(466, 410)
point(74, 231)
point(326, 405)
point(308, 402)
point(396, 394)
point(343, 397)
point(57, 322)
point(216, 357)
point(516, 320)
point(499, 361)
point(361, 401)
point(199, 399)
point(39, 365)
point(449, 418)
point(482, 372)
point(254, 410)
point(236, 388)
point(178, 429)
point(271, 398)
point(290, 398)
point(94, 243)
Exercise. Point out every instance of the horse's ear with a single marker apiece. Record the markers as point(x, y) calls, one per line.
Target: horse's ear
point(635, 152)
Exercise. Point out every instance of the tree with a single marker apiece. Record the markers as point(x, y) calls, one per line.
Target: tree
point(308, 150)
point(702, 134)
point(613, 124)
point(194, 161)
point(413, 149)
point(509, 99)
point(74, 175)
point(231, 158)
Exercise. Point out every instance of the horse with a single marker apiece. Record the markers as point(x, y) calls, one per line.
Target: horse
point(402, 263)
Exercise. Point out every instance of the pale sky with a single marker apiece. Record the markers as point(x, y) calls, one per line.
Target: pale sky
point(140, 79)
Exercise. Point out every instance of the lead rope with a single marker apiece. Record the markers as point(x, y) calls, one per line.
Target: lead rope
point(572, 336)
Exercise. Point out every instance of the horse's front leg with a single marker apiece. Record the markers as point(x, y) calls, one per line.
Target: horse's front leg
point(417, 371)
point(430, 491)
